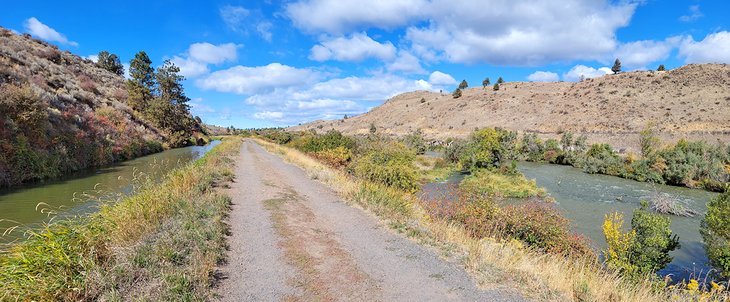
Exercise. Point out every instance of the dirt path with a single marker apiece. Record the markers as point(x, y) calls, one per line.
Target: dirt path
point(293, 239)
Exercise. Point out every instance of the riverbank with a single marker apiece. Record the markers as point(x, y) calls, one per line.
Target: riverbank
point(162, 243)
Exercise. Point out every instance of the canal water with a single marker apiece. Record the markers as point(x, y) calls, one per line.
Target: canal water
point(29, 206)
point(585, 199)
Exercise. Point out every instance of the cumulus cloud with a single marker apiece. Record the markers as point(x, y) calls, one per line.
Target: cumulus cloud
point(712, 49)
point(356, 48)
point(407, 63)
point(40, 30)
point(641, 53)
point(694, 14)
point(519, 32)
point(242, 20)
point(341, 16)
point(543, 76)
point(195, 61)
point(438, 78)
point(213, 54)
point(579, 72)
point(252, 80)
point(198, 107)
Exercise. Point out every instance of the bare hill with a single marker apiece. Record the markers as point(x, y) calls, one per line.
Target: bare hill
point(691, 102)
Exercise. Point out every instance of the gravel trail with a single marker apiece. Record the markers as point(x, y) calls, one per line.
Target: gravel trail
point(293, 239)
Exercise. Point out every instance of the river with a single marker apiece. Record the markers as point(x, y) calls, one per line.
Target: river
point(585, 199)
point(79, 193)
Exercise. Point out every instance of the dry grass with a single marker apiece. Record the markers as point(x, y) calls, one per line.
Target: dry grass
point(494, 264)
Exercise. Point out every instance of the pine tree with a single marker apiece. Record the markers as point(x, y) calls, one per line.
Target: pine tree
point(486, 82)
point(169, 110)
point(110, 62)
point(463, 84)
point(496, 87)
point(141, 84)
point(500, 80)
point(616, 66)
point(661, 68)
point(457, 93)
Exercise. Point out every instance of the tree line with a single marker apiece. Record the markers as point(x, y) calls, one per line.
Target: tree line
point(157, 94)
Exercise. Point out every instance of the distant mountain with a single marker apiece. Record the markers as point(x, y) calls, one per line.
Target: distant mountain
point(61, 113)
point(690, 102)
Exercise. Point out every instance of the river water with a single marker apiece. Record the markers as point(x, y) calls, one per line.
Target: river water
point(30, 205)
point(585, 199)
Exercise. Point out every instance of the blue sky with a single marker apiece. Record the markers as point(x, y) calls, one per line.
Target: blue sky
point(277, 63)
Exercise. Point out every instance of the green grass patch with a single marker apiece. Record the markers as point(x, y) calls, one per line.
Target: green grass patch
point(160, 244)
point(484, 181)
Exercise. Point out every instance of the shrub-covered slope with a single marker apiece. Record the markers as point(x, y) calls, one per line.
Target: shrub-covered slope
point(61, 113)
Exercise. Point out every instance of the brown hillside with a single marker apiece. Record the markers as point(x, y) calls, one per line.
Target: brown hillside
point(691, 102)
point(61, 113)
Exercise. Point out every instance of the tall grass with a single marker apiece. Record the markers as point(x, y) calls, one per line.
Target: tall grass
point(162, 243)
point(537, 275)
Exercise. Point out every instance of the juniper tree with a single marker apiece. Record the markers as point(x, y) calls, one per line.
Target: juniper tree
point(463, 84)
point(661, 68)
point(457, 93)
point(495, 87)
point(616, 66)
point(500, 80)
point(486, 82)
point(110, 62)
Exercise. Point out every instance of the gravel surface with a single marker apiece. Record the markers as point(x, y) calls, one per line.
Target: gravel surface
point(293, 239)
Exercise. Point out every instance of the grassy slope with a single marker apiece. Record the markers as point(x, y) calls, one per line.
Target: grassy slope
point(162, 243)
point(539, 276)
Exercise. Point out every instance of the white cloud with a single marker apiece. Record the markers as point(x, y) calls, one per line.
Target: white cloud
point(581, 71)
point(94, 58)
point(251, 80)
point(195, 61)
point(517, 32)
point(694, 14)
point(233, 16)
point(543, 76)
point(441, 79)
point(407, 63)
point(714, 48)
point(213, 54)
point(341, 16)
point(269, 115)
point(356, 48)
point(264, 30)
point(38, 29)
point(641, 53)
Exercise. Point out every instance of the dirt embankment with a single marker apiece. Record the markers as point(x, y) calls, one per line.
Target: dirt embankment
point(691, 102)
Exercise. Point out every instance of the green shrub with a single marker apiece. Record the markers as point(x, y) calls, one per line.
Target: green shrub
point(416, 142)
point(715, 230)
point(454, 150)
point(330, 140)
point(532, 147)
point(483, 150)
point(687, 163)
point(645, 249)
point(601, 159)
point(391, 165)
